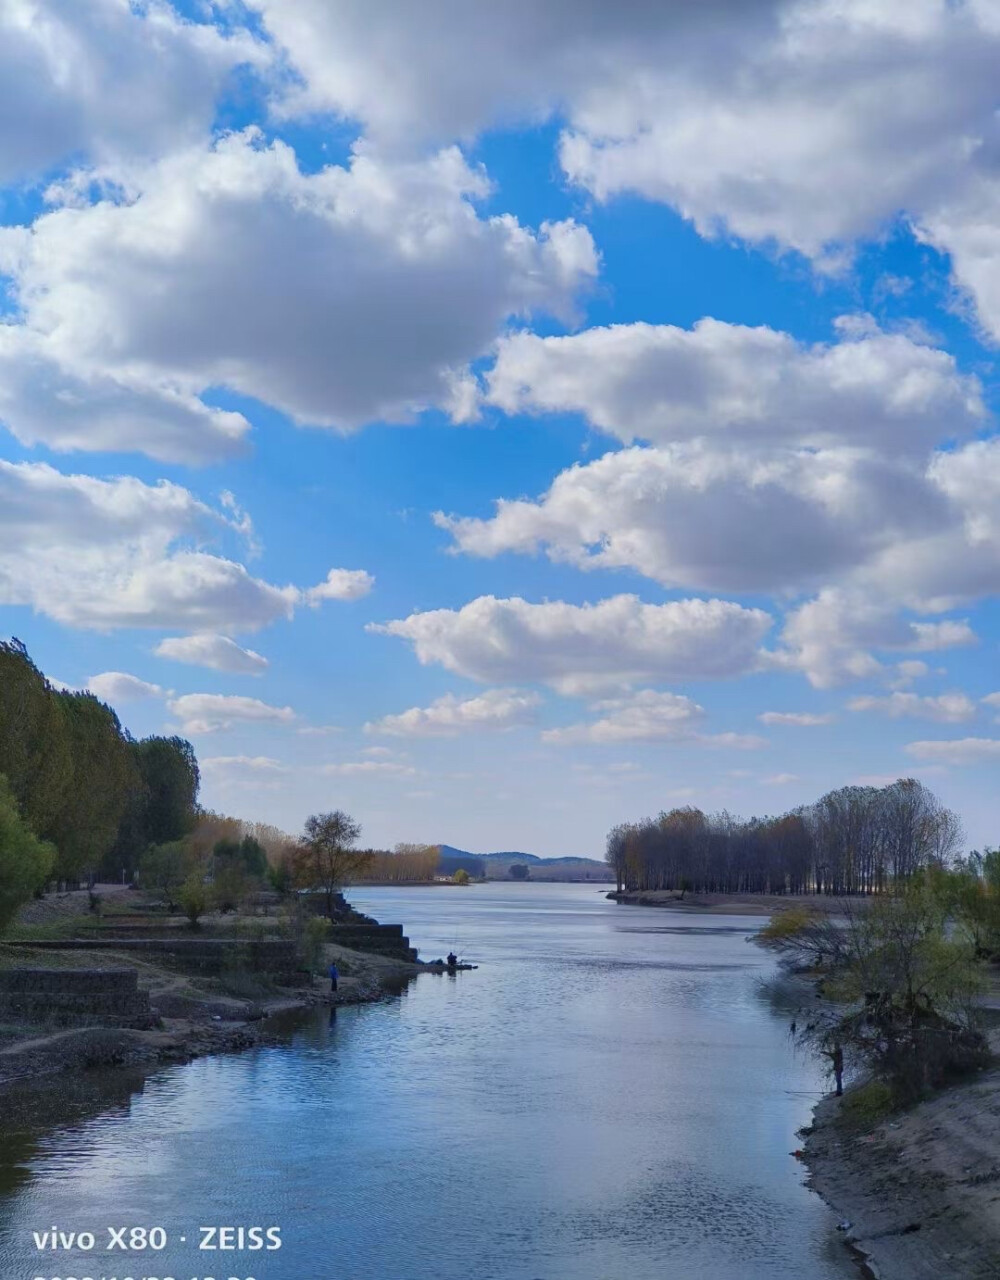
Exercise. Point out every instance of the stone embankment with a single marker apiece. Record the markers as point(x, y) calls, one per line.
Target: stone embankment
point(111, 997)
point(274, 958)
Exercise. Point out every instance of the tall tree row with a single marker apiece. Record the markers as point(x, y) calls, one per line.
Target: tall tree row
point(856, 840)
point(80, 782)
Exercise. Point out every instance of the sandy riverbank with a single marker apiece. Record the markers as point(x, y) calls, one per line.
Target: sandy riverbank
point(921, 1190)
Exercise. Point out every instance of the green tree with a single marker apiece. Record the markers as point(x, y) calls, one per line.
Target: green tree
point(518, 871)
point(461, 876)
point(325, 857)
point(163, 869)
point(25, 861)
point(169, 769)
point(230, 885)
point(34, 743)
point(104, 773)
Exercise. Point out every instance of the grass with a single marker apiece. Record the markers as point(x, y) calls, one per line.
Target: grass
point(868, 1104)
point(58, 928)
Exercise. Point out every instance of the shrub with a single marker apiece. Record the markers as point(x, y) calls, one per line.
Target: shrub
point(194, 898)
point(461, 876)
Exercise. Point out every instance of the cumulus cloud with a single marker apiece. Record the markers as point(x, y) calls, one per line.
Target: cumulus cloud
point(576, 648)
point(958, 751)
point(117, 553)
point(802, 123)
point(645, 716)
point(831, 638)
point(803, 719)
point(341, 584)
point(218, 653)
point(43, 401)
point(211, 712)
point(107, 80)
point(949, 708)
point(450, 715)
point(663, 384)
point(340, 297)
point(119, 686)
point(696, 516)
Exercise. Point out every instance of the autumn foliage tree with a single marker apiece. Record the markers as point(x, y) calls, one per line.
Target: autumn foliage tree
point(326, 856)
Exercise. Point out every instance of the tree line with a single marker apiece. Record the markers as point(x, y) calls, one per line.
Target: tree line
point(90, 797)
point(854, 840)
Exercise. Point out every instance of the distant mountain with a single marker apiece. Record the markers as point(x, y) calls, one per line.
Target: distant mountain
point(496, 866)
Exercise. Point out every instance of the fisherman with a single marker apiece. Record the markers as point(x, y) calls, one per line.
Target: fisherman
point(838, 1068)
point(452, 960)
point(334, 975)
point(836, 1056)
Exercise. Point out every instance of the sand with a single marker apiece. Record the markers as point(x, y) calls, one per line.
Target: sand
point(921, 1190)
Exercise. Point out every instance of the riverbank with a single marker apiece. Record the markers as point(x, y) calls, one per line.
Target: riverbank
point(729, 904)
point(921, 1189)
point(190, 1021)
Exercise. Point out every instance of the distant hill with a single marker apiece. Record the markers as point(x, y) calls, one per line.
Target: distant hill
point(496, 866)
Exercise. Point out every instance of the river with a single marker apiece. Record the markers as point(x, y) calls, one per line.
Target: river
point(608, 1097)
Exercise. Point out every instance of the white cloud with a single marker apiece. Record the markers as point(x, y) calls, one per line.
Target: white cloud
point(113, 553)
point(368, 769)
point(993, 700)
point(737, 741)
point(664, 384)
point(449, 715)
point(218, 653)
point(45, 402)
point(340, 297)
point(948, 708)
point(780, 779)
point(341, 584)
point(644, 716)
point(958, 751)
point(119, 686)
point(831, 638)
point(908, 671)
point(106, 80)
point(804, 719)
point(803, 123)
point(210, 712)
point(707, 518)
point(576, 648)
point(246, 768)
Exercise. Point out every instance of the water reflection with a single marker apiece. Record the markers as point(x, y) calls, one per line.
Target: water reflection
point(607, 1096)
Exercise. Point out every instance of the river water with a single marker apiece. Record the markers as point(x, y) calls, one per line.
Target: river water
point(608, 1097)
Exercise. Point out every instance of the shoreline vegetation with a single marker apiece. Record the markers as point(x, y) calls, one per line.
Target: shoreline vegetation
point(903, 993)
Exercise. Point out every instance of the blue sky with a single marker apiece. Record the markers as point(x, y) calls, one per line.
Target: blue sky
point(506, 421)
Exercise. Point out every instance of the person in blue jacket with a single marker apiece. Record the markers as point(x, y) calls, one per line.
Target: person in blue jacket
point(333, 977)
